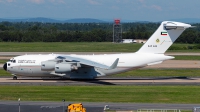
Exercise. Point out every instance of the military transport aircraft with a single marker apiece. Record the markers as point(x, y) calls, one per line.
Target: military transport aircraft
point(92, 66)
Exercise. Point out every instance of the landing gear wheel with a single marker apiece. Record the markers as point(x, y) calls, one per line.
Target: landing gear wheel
point(15, 78)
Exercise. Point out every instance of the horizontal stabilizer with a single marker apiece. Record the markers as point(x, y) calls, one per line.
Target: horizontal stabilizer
point(176, 25)
point(163, 37)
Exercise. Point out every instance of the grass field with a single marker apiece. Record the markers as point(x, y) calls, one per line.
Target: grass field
point(160, 73)
point(186, 58)
point(77, 47)
point(3, 61)
point(68, 47)
point(4, 73)
point(134, 94)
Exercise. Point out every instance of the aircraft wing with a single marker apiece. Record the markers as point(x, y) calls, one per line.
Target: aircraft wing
point(88, 62)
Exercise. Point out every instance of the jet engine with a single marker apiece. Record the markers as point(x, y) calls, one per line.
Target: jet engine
point(48, 65)
point(65, 67)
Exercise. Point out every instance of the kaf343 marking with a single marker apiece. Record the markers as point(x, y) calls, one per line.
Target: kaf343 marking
point(152, 45)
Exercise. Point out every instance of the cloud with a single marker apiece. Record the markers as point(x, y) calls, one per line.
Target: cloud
point(7, 1)
point(156, 7)
point(57, 1)
point(115, 8)
point(93, 2)
point(36, 1)
point(10, 1)
point(141, 1)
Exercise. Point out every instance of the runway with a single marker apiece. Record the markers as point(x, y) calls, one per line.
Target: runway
point(103, 81)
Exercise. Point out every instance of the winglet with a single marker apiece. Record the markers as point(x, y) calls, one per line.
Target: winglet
point(114, 65)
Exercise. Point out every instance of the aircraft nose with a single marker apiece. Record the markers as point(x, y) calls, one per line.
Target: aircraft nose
point(5, 66)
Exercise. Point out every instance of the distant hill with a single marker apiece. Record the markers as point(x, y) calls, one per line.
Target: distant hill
point(31, 20)
point(90, 20)
point(85, 20)
point(48, 20)
point(39, 19)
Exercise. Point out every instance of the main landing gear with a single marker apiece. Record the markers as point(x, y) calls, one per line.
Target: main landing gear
point(14, 77)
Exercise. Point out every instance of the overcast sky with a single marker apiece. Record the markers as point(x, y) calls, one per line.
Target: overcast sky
point(143, 10)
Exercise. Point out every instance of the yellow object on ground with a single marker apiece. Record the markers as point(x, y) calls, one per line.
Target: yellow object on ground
point(77, 107)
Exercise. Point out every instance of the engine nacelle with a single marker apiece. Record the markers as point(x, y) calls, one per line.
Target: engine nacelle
point(63, 68)
point(48, 65)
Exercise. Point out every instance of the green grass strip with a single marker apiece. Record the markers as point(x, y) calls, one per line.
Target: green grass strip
point(81, 47)
point(187, 58)
point(4, 73)
point(3, 61)
point(68, 47)
point(133, 94)
point(160, 73)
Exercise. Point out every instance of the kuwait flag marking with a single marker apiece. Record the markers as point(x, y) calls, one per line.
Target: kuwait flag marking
point(164, 33)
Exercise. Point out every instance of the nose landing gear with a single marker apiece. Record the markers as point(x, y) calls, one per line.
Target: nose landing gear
point(14, 77)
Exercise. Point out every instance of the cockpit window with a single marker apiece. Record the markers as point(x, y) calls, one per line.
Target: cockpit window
point(13, 61)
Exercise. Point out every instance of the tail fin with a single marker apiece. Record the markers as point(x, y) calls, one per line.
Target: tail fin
point(163, 37)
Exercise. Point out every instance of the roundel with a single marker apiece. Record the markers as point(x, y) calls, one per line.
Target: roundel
point(157, 40)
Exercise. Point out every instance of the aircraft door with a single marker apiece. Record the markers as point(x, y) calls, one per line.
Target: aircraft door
point(30, 70)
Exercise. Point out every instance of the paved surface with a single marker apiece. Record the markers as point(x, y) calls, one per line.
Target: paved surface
point(177, 64)
point(13, 106)
point(103, 81)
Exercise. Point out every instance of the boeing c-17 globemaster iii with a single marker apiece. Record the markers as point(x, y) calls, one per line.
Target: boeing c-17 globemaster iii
point(92, 66)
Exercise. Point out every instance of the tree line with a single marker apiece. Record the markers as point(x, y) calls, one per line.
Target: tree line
point(83, 32)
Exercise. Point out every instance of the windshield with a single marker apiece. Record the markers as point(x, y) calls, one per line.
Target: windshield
point(12, 60)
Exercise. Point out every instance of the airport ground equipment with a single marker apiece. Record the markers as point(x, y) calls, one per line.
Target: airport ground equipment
point(76, 107)
point(106, 107)
point(196, 109)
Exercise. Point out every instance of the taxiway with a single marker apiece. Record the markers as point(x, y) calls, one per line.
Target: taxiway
point(28, 106)
point(103, 81)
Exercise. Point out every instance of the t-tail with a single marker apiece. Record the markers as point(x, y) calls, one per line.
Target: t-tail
point(163, 37)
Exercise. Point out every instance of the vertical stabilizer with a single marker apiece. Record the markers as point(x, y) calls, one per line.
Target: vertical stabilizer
point(163, 37)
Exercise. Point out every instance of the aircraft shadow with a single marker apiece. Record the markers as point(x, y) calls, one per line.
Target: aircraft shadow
point(101, 81)
point(93, 81)
point(98, 79)
point(149, 78)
